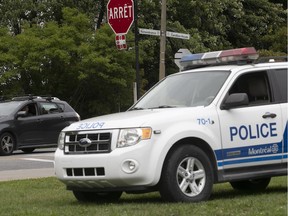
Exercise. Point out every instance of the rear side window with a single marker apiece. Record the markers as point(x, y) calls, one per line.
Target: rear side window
point(62, 107)
point(49, 108)
point(279, 79)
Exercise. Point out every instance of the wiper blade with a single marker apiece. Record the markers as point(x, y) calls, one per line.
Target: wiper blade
point(136, 108)
point(158, 107)
point(163, 106)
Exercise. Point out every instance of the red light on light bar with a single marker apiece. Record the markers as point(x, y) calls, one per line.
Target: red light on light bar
point(238, 52)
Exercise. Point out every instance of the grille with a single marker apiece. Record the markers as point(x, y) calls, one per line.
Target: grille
point(100, 143)
point(98, 171)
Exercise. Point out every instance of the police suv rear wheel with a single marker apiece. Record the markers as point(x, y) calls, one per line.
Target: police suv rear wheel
point(7, 144)
point(187, 176)
point(84, 196)
point(251, 185)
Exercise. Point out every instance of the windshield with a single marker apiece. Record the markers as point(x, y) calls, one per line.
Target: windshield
point(184, 90)
point(6, 108)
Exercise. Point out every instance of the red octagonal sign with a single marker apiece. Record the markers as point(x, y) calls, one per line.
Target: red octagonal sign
point(120, 15)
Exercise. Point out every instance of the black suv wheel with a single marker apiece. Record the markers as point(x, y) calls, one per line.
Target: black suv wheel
point(7, 144)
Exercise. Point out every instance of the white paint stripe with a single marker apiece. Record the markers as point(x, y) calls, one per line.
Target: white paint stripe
point(41, 160)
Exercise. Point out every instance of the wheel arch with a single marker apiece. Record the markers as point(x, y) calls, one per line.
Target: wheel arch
point(200, 143)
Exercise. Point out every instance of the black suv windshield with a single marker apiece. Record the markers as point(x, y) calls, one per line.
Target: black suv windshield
point(184, 90)
point(6, 108)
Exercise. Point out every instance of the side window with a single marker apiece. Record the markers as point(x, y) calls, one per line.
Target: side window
point(30, 109)
point(61, 107)
point(255, 85)
point(279, 79)
point(48, 108)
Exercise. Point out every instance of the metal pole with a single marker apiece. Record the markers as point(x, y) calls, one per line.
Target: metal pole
point(136, 48)
point(162, 41)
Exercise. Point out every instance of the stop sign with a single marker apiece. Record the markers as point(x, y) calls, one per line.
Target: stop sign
point(120, 15)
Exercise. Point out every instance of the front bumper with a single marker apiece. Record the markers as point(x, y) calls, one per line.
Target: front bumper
point(121, 168)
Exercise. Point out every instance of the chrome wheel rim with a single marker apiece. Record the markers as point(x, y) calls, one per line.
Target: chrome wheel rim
point(7, 144)
point(191, 176)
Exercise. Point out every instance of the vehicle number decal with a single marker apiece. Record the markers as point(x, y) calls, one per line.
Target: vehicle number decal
point(204, 121)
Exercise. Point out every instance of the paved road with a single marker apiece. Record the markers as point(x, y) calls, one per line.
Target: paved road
point(24, 166)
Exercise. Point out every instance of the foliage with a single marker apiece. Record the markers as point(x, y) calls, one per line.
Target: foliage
point(215, 25)
point(70, 61)
point(66, 48)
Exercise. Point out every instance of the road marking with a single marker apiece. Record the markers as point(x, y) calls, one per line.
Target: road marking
point(41, 160)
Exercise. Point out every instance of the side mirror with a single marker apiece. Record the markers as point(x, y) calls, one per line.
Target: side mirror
point(21, 114)
point(235, 100)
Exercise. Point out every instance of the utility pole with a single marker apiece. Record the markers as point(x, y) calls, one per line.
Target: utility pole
point(136, 50)
point(162, 41)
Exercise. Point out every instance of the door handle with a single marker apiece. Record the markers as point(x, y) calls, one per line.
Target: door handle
point(269, 115)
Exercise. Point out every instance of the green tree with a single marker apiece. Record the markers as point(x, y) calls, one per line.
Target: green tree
point(69, 61)
point(213, 25)
point(8, 68)
point(16, 13)
point(107, 76)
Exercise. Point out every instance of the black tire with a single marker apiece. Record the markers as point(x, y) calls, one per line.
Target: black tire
point(7, 144)
point(187, 175)
point(84, 196)
point(28, 150)
point(251, 185)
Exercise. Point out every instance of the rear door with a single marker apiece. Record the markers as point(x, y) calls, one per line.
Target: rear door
point(53, 121)
point(279, 79)
point(252, 135)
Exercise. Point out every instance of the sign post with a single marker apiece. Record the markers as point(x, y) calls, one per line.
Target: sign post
point(120, 16)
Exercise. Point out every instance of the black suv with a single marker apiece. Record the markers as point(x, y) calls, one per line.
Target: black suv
point(30, 122)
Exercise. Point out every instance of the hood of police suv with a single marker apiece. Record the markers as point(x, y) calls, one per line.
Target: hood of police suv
point(130, 119)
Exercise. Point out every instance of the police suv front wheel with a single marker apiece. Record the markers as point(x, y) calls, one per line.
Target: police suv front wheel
point(187, 175)
point(251, 185)
point(84, 196)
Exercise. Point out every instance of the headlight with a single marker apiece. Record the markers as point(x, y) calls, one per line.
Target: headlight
point(132, 136)
point(61, 140)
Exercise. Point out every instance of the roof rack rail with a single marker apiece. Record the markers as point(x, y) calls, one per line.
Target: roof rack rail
point(26, 97)
point(49, 98)
point(32, 97)
point(272, 59)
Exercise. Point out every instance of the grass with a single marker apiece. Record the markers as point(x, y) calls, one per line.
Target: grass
point(48, 196)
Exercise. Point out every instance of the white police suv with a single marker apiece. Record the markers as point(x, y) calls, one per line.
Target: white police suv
point(195, 128)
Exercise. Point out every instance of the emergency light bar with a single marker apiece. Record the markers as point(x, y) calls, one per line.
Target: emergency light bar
point(219, 57)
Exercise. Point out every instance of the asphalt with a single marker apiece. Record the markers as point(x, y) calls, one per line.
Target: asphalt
point(39, 164)
point(26, 174)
